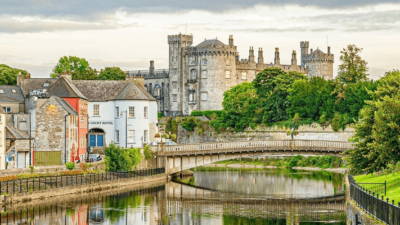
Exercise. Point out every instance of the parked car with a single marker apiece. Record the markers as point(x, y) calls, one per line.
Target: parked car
point(170, 143)
point(94, 158)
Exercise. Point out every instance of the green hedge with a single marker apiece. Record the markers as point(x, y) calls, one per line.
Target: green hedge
point(207, 113)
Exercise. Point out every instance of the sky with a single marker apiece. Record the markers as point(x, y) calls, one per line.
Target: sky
point(34, 34)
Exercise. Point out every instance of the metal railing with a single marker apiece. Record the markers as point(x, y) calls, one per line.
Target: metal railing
point(52, 182)
point(297, 145)
point(375, 204)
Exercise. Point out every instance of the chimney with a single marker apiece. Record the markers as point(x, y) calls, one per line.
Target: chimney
point(19, 79)
point(67, 75)
point(251, 54)
point(294, 58)
point(138, 80)
point(277, 60)
point(329, 50)
point(230, 40)
point(260, 56)
point(311, 51)
point(151, 67)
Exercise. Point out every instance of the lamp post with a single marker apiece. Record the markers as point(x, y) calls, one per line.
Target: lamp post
point(30, 138)
point(87, 138)
point(126, 127)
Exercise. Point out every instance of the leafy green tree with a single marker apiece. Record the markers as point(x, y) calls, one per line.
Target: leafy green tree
point(78, 67)
point(112, 73)
point(8, 75)
point(353, 67)
point(378, 128)
point(121, 159)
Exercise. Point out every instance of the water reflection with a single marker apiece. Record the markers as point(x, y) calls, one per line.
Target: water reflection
point(176, 203)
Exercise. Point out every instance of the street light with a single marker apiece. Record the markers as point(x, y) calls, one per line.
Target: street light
point(126, 127)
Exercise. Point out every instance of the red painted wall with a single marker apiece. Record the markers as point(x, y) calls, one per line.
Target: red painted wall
point(81, 107)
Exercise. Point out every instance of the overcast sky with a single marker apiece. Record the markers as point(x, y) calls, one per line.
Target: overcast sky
point(34, 34)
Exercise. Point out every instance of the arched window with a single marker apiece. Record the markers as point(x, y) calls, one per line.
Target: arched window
point(193, 74)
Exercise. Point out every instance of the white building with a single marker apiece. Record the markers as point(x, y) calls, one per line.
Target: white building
point(122, 112)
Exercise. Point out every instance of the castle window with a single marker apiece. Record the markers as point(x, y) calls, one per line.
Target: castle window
point(174, 97)
point(192, 97)
point(193, 74)
point(204, 96)
point(228, 62)
point(175, 85)
point(228, 74)
point(244, 76)
point(204, 61)
point(204, 74)
point(325, 67)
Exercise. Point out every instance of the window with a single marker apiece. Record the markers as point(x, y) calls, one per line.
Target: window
point(244, 76)
point(131, 136)
point(1, 91)
point(204, 96)
point(204, 61)
point(96, 109)
point(46, 85)
point(116, 136)
point(175, 85)
point(145, 136)
point(228, 62)
point(145, 112)
point(325, 67)
point(191, 96)
point(116, 112)
point(131, 111)
point(13, 91)
point(174, 97)
point(228, 74)
point(193, 74)
point(7, 109)
point(204, 74)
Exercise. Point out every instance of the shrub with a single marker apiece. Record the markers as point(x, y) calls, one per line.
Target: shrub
point(173, 137)
point(294, 161)
point(165, 136)
point(148, 154)
point(160, 115)
point(72, 172)
point(196, 113)
point(188, 124)
point(32, 168)
point(70, 165)
point(121, 159)
point(157, 135)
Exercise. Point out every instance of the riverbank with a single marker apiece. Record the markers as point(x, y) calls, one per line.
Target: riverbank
point(236, 165)
point(90, 189)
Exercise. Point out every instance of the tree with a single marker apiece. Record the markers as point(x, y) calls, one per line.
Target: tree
point(353, 68)
point(121, 159)
point(112, 73)
point(78, 67)
point(378, 127)
point(8, 75)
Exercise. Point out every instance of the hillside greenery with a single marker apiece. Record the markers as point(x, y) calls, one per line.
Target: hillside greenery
point(8, 75)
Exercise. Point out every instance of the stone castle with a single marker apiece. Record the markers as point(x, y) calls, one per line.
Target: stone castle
point(199, 75)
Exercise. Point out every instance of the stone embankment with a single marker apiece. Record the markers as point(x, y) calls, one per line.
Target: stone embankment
point(335, 170)
point(94, 188)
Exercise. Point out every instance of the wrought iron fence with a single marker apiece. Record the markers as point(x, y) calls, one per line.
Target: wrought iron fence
point(374, 203)
point(52, 182)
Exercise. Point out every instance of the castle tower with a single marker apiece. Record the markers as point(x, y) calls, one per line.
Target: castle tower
point(177, 45)
point(230, 40)
point(277, 60)
point(294, 58)
point(304, 51)
point(260, 56)
point(251, 54)
point(319, 64)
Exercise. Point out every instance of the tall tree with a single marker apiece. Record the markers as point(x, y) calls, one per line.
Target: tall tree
point(353, 67)
point(78, 67)
point(378, 128)
point(8, 75)
point(112, 73)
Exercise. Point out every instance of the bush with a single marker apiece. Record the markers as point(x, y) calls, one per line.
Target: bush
point(165, 136)
point(121, 159)
point(32, 169)
point(160, 115)
point(173, 137)
point(188, 124)
point(196, 113)
point(148, 154)
point(70, 165)
point(294, 161)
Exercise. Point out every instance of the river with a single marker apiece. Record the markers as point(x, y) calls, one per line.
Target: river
point(222, 197)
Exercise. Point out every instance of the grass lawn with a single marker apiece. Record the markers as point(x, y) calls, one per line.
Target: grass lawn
point(393, 184)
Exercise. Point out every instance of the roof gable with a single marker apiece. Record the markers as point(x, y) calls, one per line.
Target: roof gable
point(63, 103)
point(65, 89)
point(132, 91)
point(15, 133)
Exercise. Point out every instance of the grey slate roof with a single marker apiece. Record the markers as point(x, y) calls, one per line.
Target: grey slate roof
point(210, 43)
point(36, 83)
point(106, 90)
point(65, 89)
point(65, 105)
point(9, 95)
point(15, 133)
point(2, 110)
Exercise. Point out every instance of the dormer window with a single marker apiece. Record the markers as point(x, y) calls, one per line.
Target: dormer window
point(1, 91)
point(46, 85)
point(13, 91)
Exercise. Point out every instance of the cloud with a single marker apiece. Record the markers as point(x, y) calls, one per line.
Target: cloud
point(91, 8)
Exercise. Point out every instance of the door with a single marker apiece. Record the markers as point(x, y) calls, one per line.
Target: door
point(21, 159)
point(100, 140)
point(92, 140)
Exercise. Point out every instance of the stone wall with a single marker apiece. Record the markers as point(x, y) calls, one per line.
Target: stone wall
point(306, 132)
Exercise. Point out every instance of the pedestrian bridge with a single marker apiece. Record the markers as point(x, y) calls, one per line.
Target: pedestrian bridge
point(182, 157)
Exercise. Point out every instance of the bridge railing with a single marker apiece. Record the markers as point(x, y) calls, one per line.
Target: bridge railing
point(268, 144)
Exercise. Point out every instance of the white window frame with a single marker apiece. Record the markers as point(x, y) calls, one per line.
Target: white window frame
point(227, 74)
point(116, 112)
point(145, 112)
point(204, 96)
point(174, 98)
point(244, 75)
point(7, 109)
point(145, 133)
point(204, 74)
point(131, 136)
point(96, 112)
point(116, 138)
point(131, 112)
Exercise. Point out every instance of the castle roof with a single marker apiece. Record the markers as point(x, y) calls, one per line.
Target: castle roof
point(210, 43)
point(317, 52)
